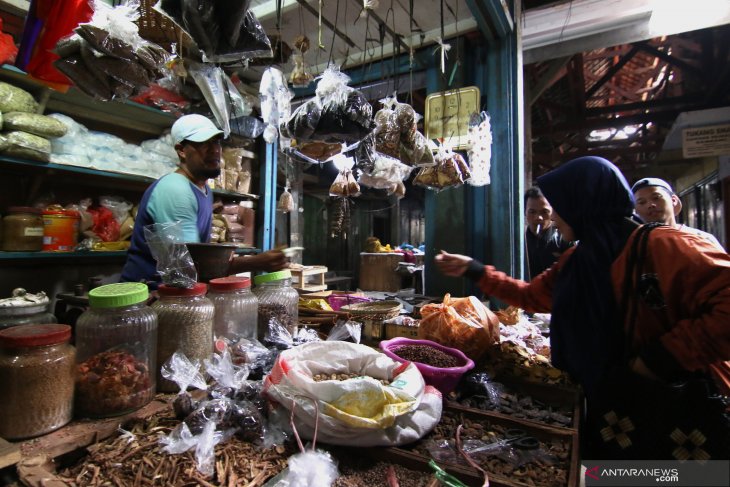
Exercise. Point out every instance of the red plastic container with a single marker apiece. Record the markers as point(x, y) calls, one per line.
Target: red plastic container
point(443, 379)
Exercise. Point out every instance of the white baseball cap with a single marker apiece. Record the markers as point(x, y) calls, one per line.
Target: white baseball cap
point(195, 128)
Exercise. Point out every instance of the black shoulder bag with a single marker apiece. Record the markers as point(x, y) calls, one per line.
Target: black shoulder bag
point(632, 417)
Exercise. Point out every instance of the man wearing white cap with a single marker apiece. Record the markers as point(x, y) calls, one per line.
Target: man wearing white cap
point(655, 201)
point(184, 196)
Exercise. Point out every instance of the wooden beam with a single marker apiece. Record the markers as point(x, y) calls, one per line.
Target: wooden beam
point(687, 102)
point(548, 159)
point(601, 123)
point(612, 72)
point(553, 73)
point(493, 18)
point(397, 38)
point(675, 61)
point(326, 22)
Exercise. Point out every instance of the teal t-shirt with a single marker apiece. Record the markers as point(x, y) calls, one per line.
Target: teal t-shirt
point(173, 201)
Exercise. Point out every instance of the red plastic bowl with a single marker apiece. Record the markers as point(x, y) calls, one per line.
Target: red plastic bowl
point(443, 379)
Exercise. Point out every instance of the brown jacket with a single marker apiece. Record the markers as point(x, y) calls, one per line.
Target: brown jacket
point(683, 317)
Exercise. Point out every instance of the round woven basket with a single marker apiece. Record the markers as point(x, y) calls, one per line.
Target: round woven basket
point(372, 315)
point(375, 310)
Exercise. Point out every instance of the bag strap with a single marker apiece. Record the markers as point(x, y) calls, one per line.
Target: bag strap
point(630, 307)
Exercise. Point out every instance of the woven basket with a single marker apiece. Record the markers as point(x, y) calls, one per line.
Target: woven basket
point(372, 315)
point(159, 28)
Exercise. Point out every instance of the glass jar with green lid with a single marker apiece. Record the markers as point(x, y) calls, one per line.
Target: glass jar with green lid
point(185, 325)
point(116, 341)
point(278, 301)
point(37, 367)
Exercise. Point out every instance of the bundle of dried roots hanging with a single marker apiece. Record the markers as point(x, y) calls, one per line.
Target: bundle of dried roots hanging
point(340, 217)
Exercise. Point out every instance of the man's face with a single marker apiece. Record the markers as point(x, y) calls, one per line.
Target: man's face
point(202, 159)
point(537, 212)
point(655, 204)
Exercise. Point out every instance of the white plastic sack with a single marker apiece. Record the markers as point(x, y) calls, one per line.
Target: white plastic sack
point(356, 412)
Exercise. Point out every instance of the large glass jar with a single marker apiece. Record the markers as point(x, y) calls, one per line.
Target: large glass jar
point(116, 340)
point(23, 229)
point(236, 308)
point(185, 326)
point(278, 301)
point(37, 367)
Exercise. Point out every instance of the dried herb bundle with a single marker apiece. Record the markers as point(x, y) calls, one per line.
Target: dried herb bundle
point(138, 460)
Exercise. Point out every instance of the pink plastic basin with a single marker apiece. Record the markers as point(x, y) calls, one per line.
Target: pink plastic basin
point(443, 379)
point(337, 301)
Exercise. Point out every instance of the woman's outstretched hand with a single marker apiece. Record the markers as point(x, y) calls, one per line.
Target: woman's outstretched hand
point(452, 264)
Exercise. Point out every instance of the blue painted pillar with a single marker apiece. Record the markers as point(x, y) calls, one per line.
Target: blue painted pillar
point(267, 201)
point(486, 223)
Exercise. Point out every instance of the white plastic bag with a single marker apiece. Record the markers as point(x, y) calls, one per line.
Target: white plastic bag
point(360, 411)
point(480, 149)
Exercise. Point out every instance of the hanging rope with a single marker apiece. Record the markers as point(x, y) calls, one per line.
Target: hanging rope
point(334, 34)
point(319, 32)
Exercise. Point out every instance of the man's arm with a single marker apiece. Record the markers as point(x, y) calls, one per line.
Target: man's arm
point(271, 261)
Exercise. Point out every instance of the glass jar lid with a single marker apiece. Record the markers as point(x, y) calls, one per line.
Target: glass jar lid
point(118, 295)
point(23, 303)
point(272, 276)
point(34, 335)
point(230, 283)
point(24, 209)
point(198, 290)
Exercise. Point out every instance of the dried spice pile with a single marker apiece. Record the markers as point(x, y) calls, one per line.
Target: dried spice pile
point(345, 376)
point(426, 355)
point(503, 399)
point(368, 473)
point(551, 470)
point(123, 461)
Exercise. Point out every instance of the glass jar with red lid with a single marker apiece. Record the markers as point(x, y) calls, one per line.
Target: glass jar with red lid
point(185, 325)
point(37, 366)
point(236, 308)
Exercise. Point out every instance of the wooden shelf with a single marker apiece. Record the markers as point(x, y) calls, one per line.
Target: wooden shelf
point(133, 180)
point(132, 116)
point(61, 256)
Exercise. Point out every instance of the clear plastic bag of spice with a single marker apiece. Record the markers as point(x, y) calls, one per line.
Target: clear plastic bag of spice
point(174, 262)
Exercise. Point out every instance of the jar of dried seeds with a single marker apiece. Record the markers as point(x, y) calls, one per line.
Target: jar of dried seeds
point(37, 379)
point(278, 301)
point(185, 326)
point(117, 346)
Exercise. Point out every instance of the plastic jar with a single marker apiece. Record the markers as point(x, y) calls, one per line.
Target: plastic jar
point(236, 308)
point(37, 367)
point(277, 299)
point(60, 230)
point(185, 325)
point(23, 229)
point(116, 339)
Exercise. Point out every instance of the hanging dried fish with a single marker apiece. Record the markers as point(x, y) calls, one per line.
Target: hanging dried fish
point(340, 221)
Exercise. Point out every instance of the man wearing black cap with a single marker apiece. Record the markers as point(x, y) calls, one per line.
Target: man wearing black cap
point(184, 196)
point(655, 201)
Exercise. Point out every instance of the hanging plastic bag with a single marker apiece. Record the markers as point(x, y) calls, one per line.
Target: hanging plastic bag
point(345, 185)
point(275, 102)
point(480, 149)
point(226, 31)
point(346, 331)
point(286, 201)
point(167, 246)
point(450, 170)
point(47, 22)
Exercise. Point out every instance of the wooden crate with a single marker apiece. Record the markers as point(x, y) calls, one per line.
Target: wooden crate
point(378, 272)
point(394, 331)
point(551, 395)
point(472, 477)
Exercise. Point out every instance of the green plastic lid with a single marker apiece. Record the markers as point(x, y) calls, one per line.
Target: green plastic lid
point(272, 276)
point(118, 295)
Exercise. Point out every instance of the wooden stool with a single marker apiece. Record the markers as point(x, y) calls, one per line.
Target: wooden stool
point(316, 283)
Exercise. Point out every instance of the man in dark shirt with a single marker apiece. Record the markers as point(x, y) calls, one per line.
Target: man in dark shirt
point(543, 243)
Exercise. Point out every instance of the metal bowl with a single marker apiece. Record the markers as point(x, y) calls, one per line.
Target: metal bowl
point(211, 260)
